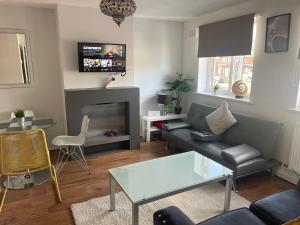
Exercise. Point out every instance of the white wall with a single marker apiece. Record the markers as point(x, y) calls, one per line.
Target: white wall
point(44, 96)
point(273, 88)
point(157, 57)
point(80, 24)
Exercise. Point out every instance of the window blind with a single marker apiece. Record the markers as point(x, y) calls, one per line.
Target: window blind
point(230, 37)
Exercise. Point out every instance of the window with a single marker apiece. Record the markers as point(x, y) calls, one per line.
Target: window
point(225, 71)
point(225, 52)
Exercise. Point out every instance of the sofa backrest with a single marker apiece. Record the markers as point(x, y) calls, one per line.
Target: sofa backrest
point(258, 133)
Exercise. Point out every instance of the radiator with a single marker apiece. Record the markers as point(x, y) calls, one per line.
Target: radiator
point(294, 163)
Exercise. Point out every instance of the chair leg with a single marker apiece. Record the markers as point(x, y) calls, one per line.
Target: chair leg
point(63, 158)
point(80, 158)
point(55, 183)
point(84, 160)
point(3, 195)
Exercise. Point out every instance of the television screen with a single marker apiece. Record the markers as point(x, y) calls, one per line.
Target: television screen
point(95, 57)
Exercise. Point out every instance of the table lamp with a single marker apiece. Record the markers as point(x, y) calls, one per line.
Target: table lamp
point(164, 99)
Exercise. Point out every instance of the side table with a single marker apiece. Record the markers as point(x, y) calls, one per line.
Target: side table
point(148, 120)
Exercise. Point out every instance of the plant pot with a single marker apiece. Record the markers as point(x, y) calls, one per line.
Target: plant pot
point(178, 110)
point(21, 121)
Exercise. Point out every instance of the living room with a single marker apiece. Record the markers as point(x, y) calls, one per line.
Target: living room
point(144, 151)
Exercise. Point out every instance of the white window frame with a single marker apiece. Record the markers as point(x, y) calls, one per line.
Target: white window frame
point(203, 81)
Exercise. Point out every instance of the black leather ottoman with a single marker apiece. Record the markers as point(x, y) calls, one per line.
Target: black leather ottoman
point(278, 208)
point(174, 216)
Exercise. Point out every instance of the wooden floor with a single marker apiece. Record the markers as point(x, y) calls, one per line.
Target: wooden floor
point(37, 206)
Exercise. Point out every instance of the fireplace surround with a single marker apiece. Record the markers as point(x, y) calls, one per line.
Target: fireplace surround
point(109, 109)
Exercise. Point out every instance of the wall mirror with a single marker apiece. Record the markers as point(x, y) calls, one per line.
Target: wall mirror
point(15, 59)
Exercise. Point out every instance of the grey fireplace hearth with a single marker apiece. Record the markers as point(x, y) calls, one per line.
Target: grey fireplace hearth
point(114, 109)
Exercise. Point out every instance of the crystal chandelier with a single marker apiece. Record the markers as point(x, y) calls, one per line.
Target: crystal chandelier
point(118, 9)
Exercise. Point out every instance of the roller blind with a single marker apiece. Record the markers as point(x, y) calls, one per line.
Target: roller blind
point(226, 38)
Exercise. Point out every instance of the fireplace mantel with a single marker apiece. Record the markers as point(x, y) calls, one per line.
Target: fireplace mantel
point(77, 99)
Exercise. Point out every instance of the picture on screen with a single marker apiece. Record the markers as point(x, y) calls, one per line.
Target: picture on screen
point(95, 57)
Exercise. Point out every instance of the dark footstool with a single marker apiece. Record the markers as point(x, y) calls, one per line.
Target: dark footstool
point(174, 216)
point(278, 208)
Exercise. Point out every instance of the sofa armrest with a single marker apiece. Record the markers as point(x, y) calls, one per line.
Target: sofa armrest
point(171, 216)
point(298, 186)
point(176, 125)
point(240, 154)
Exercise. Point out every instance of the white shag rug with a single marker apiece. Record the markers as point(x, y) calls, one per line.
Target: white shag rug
point(198, 204)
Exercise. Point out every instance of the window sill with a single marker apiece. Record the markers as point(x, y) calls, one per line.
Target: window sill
point(224, 97)
point(294, 110)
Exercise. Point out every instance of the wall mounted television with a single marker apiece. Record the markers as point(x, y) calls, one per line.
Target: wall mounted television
point(100, 57)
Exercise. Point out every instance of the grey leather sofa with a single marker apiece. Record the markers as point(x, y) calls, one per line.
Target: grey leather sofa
point(246, 148)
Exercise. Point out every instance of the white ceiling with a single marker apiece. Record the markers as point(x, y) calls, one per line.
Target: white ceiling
point(163, 9)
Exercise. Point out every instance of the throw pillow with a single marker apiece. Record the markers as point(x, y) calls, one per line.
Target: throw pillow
point(220, 120)
point(293, 222)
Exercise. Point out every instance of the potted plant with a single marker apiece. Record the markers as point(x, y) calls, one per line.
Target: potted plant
point(180, 86)
point(20, 116)
point(216, 88)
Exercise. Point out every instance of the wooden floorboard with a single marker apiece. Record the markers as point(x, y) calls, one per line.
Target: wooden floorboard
point(37, 206)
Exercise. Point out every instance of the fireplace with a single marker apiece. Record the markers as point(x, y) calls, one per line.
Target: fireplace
point(114, 109)
point(107, 118)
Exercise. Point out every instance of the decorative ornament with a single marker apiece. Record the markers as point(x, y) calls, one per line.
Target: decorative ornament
point(240, 89)
point(118, 9)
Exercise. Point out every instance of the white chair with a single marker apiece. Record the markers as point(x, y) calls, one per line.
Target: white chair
point(27, 113)
point(72, 147)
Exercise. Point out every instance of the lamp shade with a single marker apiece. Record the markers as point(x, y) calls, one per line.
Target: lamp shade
point(164, 98)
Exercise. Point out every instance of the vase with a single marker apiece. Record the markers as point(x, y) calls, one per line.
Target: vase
point(178, 110)
point(21, 121)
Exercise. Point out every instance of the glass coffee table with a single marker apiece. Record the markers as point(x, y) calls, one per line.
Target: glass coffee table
point(152, 180)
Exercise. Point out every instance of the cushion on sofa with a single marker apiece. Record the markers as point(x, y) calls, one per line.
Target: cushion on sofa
point(278, 208)
point(241, 216)
point(221, 119)
point(176, 125)
point(240, 154)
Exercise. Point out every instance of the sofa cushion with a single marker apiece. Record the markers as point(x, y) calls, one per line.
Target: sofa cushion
point(278, 208)
point(240, 154)
point(196, 116)
point(241, 216)
point(221, 119)
point(176, 125)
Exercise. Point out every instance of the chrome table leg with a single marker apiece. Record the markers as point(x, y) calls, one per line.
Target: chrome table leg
point(135, 214)
point(228, 193)
point(112, 187)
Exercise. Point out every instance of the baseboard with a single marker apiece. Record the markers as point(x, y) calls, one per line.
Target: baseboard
point(287, 175)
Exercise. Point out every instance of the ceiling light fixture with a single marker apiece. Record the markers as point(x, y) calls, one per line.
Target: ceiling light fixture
point(118, 9)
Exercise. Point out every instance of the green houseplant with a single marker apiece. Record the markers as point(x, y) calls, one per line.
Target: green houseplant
point(19, 113)
point(180, 86)
point(20, 116)
point(216, 88)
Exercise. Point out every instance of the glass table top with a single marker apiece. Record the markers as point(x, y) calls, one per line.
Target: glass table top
point(30, 124)
point(149, 179)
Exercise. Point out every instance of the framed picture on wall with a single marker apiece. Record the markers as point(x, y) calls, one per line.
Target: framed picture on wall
point(278, 33)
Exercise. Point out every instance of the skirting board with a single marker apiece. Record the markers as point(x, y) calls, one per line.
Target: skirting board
point(287, 174)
